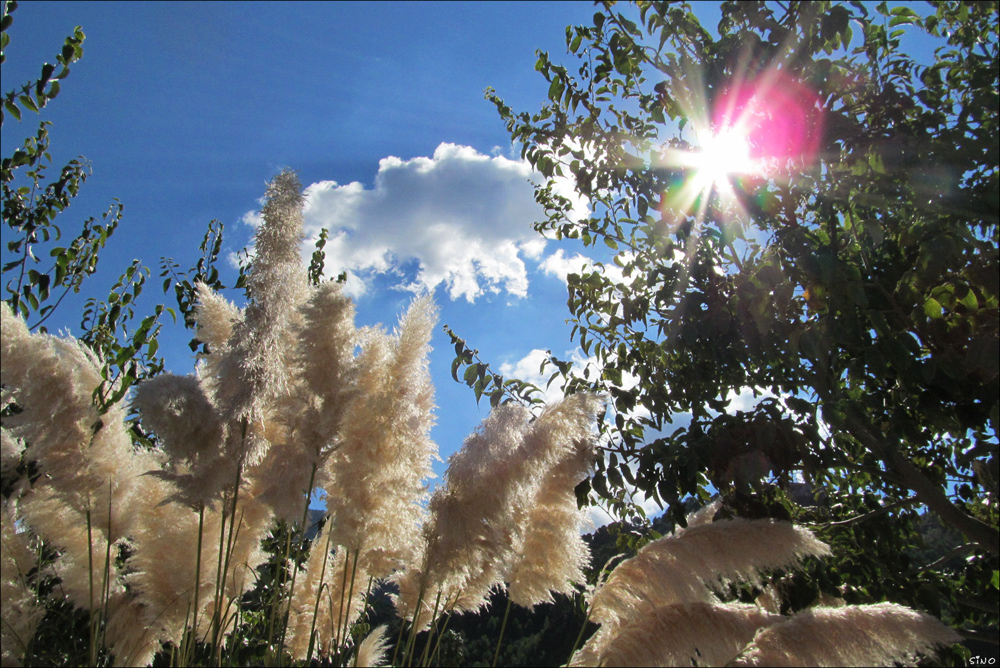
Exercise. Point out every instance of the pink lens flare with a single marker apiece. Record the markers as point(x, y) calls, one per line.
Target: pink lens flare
point(780, 117)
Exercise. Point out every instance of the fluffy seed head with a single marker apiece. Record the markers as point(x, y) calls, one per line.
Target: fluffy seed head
point(857, 635)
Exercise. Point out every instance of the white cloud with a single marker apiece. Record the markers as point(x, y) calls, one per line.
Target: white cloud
point(458, 218)
point(560, 266)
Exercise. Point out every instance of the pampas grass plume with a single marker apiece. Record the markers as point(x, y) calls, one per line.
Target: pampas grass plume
point(21, 611)
point(372, 650)
point(677, 568)
point(553, 554)
point(857, 635)
point(682, 634)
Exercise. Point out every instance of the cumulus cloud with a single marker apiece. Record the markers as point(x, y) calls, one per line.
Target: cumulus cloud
point(560, 266)
point(459, 218)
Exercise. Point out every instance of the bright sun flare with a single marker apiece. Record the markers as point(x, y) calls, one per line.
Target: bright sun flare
point(721, 156)
point(751, 132)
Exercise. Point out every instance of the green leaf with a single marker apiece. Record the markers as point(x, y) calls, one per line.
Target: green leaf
point(12, 109)
point(933, 309)
point(472, 373)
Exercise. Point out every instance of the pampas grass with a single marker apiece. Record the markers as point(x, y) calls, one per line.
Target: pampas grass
point(161, 545)
point(372, 650)
point(21, 612)
point(683, 634)
point(857, 635)
point(660, 608)
point(686, 566)
point(552, 554)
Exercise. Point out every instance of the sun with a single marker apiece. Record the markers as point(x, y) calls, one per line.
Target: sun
point(755, 130)
point(721, 156)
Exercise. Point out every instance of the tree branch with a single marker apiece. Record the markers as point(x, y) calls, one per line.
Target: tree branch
point(929, 494)
point(902, 503)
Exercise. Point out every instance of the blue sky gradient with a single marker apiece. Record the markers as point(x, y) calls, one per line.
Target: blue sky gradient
point(186, 110)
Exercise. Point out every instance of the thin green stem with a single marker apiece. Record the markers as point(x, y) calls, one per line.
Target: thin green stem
point(430, 629)
point(295, 567)
point(319, 594)
point(197, 583)
point(399, 640)
point(350, 595)
point(343, 588)
point(503, 629)
point(276, 592)
point(216, 621)
point(414, 627)
point(90, 578)
point(579, 636)
point(440, 635)
point(224, 570)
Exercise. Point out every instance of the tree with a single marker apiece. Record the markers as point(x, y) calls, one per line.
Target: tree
point(39, 270)
point(796, 207)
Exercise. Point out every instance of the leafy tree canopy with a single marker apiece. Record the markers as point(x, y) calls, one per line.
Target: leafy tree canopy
point(795, 206)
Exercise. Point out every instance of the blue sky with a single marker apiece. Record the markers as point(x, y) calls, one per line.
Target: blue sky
point(186, 110)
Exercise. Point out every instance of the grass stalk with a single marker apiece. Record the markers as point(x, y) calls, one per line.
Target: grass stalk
point(90, 578)
point(192, 640)
point(413, 626)
point(503, 629)
point(579, 636)
point(343, 588)
point(399, 640)
point(295, 566)
point(350, 594)
point(319, 594)
point(276, 596)
point(430, 631)
point(223, 569)
point(440, 634)
point(180, 656)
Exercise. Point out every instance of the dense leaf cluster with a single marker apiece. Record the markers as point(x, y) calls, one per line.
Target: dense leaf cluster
point(852, 288)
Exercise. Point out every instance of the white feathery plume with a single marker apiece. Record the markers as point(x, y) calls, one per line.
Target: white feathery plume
point(304, 427)
point(21, 611)
point(132, 641)
point(326, 345)
point(385, 450)
point(164, 587)
point(307, 596)
point(681, 634)
point(52, 381)
point(703, 515)
point(190, 432)
point(81, 561)
point(193, 434)
point(85, 458)
point(680, 568)
point(469, 536)
point(261, 348)
point(481, 517)
point(11, 448)
point(553, 554)
point(857, 635)
point(215, 317)
point(372, 650)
